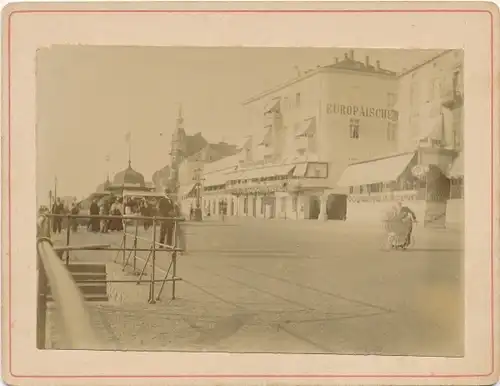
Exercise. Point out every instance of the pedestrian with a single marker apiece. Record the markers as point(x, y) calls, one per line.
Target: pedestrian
point(146, 212)
point(407, 215)
point(166, 209)
point(180, 236)
point(94, 222)
point(75, 210)
point(105, 208)
point(57, 209)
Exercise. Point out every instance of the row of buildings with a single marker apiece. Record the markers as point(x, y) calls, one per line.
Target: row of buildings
point(338, 142)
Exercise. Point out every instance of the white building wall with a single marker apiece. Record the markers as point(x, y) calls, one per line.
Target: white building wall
point(420, 95)
point(363, 96)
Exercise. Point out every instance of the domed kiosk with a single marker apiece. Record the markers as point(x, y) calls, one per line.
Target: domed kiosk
point(130, 179)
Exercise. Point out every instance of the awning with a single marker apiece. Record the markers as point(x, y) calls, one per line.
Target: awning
point(264, 172)
point(267, 138)
point(375, 171)
point(300, 170)
point(132, 193)
point(457, 168)
point(186, 190)
point(215, 179)
point(306, 129)
point(273, 106)
point(431, 128)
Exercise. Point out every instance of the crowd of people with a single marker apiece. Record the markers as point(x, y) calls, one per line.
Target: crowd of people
point(164, 206)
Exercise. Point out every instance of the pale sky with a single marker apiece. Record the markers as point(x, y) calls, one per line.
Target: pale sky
point(88, 97)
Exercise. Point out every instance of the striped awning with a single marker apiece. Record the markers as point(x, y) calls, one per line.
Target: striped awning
point(186, 190)
point(265, 172)
point(375, 171)
point(306, 129)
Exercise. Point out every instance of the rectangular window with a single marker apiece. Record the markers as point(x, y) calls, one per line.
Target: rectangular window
point(294, 203)
point(245, 205)
point(354, 128)
point(297, 99)
point(391, 100)
point(456, 77)
point(351, 189)
point(317, 170)
point(391, 131)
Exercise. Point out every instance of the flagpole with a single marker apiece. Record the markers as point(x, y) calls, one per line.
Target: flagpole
point(129, 151)
point(55, 188)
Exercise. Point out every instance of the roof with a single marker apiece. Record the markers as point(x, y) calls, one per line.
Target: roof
point(348, 64)
point(103, 187)
point(128, 176)
point(224, 149)
point(414, 68)
point(194, 144)
point(226, 163)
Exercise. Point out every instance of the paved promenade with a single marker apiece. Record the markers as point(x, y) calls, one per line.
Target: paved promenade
point(293, 286)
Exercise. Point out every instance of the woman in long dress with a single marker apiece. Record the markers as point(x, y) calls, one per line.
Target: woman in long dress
point(116, 223)
point(94, 222)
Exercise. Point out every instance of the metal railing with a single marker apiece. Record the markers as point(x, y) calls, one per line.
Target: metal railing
point(77, 331)
point(153, 248)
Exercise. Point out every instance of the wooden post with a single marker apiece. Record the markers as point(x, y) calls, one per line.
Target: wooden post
point(153, 263)
point(174, 272)
point(124, 240)
point(135, 246)
point(41, 320)
point(68, 232)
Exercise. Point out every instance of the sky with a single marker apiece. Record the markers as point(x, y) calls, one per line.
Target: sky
point(89, 97)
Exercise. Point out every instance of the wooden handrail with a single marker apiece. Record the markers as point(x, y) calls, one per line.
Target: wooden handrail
point(70, 304)
point(114, 217)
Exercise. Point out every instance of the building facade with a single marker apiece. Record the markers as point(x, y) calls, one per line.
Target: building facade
point(310, 129)
point(345, 140)
point(429, 102)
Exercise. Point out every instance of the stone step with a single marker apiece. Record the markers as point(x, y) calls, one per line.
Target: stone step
point(86, 276)
point(90, 288)
point(87, 267)
point(87, 298)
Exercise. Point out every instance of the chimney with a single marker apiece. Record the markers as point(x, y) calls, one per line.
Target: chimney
point(351, 54)
point(378, 64)
point(367, 61)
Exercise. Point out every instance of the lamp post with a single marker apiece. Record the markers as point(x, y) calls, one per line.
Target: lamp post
point(198, 215)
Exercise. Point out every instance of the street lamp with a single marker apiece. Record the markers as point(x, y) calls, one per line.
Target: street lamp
point(198, 214)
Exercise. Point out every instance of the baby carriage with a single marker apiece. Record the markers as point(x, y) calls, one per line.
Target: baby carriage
point(397, 229)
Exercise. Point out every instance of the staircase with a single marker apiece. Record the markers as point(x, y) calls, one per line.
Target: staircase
point(83, 274)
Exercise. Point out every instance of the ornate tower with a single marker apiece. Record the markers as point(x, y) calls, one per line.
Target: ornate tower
point(177, 152)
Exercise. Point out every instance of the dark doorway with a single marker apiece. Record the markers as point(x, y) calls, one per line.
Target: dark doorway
point(269, 202)
point(254, 206)
point(314, 207)
point(336, 207)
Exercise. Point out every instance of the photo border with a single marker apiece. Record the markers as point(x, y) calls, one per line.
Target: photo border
point(256, 11)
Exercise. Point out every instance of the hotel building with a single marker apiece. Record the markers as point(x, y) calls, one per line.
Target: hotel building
point(340, 140)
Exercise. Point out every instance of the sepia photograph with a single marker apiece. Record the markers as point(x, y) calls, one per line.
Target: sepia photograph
point(250, 193)
point(278, 200)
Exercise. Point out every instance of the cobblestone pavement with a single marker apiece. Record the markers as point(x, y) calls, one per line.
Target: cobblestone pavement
point(292, 286)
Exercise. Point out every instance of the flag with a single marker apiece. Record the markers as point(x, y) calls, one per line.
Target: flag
point(128, 136)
